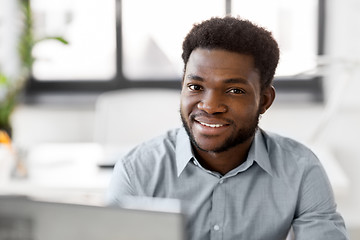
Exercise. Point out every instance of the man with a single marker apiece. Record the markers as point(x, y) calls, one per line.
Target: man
point(235, 180)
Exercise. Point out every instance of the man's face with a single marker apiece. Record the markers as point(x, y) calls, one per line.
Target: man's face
point(220, 99)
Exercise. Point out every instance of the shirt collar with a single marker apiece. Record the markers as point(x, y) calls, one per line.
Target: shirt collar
point(258, 152)
point(183, 150)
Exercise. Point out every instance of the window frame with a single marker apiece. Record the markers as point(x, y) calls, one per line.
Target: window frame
point(312, 85)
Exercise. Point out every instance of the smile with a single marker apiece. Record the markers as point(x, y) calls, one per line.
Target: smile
point(211, 125)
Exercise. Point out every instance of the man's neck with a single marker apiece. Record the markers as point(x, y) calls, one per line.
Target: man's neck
point(223, 162)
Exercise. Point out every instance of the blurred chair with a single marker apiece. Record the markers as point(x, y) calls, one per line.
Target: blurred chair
point(125, 118)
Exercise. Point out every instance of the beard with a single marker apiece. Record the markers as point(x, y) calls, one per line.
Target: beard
point(238, 137)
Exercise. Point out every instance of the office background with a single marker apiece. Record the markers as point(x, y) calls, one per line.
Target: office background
point(69, 116)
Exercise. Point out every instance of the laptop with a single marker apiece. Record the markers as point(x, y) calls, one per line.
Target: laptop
point(22, 218)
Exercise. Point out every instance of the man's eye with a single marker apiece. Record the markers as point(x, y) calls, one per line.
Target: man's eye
point(193, 87)
point(236, 91)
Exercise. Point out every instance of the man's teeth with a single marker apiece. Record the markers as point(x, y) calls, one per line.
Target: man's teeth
point(211, 125)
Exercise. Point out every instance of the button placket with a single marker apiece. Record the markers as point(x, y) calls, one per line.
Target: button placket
point(218, 208)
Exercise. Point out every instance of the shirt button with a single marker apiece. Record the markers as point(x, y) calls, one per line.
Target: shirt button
point(216, 227)
point(221, 181)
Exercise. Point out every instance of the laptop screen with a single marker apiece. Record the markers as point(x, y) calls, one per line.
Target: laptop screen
point(25, 219)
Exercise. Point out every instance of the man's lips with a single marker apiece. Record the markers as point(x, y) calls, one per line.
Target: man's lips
point(216, 125)
point(211, 122)
point(210, 126)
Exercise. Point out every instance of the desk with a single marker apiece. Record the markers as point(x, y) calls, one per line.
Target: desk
point(69, 172)
point(65, 172)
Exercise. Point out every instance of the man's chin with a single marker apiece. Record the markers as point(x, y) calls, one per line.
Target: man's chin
point(218, 144)
point(207, 148)
point(211, 145)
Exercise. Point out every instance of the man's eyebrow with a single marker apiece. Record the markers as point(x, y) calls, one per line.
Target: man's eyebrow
point(236, 80)
point(227, 81)
point(194, 77)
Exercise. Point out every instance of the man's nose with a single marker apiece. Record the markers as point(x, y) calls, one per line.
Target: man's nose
point(212, 103)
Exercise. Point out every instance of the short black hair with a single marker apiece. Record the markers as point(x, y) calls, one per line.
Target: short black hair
point(236, 35)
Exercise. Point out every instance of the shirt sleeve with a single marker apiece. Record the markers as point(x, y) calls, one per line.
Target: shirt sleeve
point(120, 184)
point(316, 216)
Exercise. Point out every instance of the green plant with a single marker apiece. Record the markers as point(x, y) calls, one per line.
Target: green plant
point(11, 86)
point(7, 102)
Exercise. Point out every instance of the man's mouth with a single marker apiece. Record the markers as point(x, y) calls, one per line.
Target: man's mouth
point(210, 122)
point(212, 125)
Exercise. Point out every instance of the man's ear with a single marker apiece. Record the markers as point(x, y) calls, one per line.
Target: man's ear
point(267, 98)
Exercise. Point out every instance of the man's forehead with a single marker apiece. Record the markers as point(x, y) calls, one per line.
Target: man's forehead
point(205, 63)
point(219, 59)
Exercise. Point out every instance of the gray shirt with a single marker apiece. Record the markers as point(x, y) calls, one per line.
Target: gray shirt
point(281, 184)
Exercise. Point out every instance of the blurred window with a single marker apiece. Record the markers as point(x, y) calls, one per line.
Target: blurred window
point(137, 43)
point(90, 28)
point(152, 39)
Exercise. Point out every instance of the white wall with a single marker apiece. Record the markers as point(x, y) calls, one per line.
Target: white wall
point(40, 124)
point(343, 48)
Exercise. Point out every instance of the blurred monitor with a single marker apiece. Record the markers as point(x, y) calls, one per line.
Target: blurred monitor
point(24, 219)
